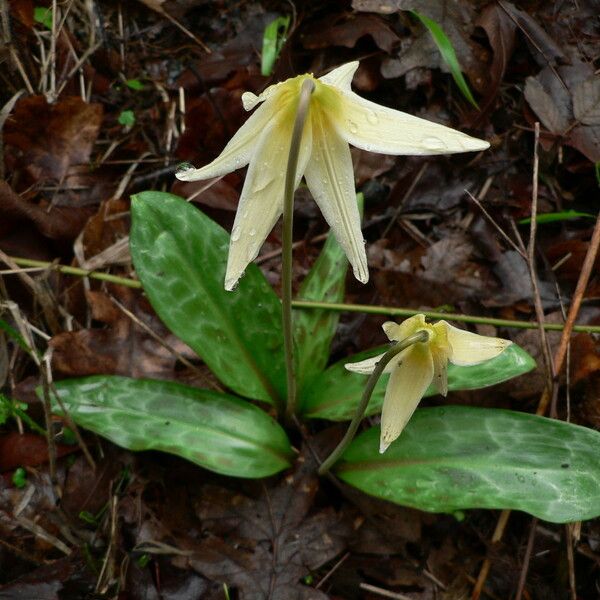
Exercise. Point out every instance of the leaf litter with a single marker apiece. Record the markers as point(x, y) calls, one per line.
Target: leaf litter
point(150, 526)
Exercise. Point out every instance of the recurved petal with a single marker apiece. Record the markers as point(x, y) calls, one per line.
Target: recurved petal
point(397, 332)
point(376, 128)
point(239, 150)
point(250, 100)
point(408, 382)
point(367, 366)
point(466, 348)
point(330, 178)
point(261, 202)
point(342, 76)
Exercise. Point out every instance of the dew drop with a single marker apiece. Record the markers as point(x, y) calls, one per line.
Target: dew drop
point(353, 127)
point(183, 167)
point(372, 117)
point(252, 232)
point(433, 143)
point(235, 234)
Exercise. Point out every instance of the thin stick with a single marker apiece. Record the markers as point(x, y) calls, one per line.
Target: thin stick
point(526, 558)
point(390, 311)
point(537, 301)
point(307, 89)
point(421, 336)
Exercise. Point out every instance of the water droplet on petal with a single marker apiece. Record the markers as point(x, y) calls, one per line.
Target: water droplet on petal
point(252, 232)
point(353, 127)
point(235, 234)
point(372, 117)
point(183, 167)
point(433, 143)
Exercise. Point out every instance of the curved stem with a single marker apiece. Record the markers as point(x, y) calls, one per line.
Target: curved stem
point(308, 86)
point(420, 336)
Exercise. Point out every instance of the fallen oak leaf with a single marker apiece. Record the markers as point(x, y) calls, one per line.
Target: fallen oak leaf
point(264, 546)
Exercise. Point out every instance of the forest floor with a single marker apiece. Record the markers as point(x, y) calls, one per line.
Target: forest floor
point(105, 102)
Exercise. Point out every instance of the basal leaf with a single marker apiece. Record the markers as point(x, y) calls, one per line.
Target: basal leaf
point(313, 328)
point(214, 430)
point(335, 393)
point(180, 256)
point(454, 458)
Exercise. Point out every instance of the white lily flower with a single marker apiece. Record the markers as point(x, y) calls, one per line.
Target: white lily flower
point(413, 369)
point(336, 117)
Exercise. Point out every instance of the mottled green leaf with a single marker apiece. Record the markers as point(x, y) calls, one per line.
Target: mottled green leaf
point(214, 430)
point(314, 328)
point(457, 457)
point(180, 256)
point(335, 393)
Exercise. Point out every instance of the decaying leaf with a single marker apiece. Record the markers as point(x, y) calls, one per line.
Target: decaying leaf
point(265, 545)
point(568, 107)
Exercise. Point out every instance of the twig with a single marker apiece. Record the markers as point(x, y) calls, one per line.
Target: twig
point(166, 345)
point(526, 560)
point(539, 310)
point(495, 225)
point(384, 593)
point(407, 194)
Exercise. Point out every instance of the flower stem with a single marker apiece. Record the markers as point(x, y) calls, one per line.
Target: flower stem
point(288, 220)
point(420, 336)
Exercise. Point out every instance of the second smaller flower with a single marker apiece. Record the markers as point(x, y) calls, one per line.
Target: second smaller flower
point(413, 370)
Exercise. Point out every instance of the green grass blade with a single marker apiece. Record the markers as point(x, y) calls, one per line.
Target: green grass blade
point(273, 40)
point(448, 54)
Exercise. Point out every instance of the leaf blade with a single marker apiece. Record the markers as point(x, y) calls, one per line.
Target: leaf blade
point(314, 329)
point(180, 256)
point(217, 431)
point(456, 457)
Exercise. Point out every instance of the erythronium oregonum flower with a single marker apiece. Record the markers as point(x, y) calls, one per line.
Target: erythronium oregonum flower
point(337, 117)
point(413, 369)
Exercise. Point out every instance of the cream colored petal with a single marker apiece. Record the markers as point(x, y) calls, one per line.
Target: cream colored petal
point(376, 128)
point(408, 382)
point(330, 178)
point(261, 201)
point(391, 329)
point(397, 332)
point(367, 366)
point(250, 100)
point(468, 348)
point(440, 370)
point(342, 76)
point(364, 367)
point(238, 152)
